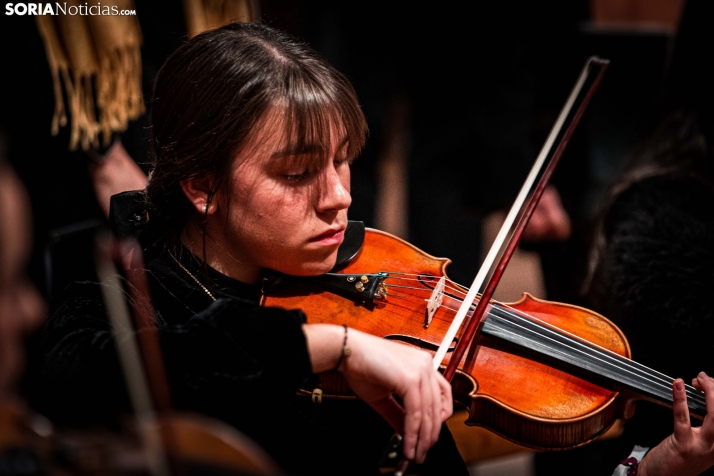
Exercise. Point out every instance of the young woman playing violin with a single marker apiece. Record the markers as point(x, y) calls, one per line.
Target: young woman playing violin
point(253, 135)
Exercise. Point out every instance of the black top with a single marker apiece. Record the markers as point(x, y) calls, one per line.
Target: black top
point(231, 359)
point(657, 276)
point(658, 265)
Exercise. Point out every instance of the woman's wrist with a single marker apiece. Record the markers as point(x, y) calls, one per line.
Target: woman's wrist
point(649, 465)
point(632, 465)
point(328, 346)
point(345, 351)
point(665, 460)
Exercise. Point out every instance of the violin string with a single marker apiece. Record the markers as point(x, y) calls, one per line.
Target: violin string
point(443, 306)
point(518, 315)
point(607, 357)
point(455, 290)
point(643, 370)
point(663, 383)
point(692, 393)
point(624, 364)
point(625, 368)
point(593, 350)
point(399, 296)
point(406, 287)
point(420, 278)
point(636, 367)
point(424, 290)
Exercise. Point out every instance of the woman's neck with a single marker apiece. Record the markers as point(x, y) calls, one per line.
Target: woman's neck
point(215, 254)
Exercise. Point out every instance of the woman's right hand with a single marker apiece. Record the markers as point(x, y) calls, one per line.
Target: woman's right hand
point(378, 369)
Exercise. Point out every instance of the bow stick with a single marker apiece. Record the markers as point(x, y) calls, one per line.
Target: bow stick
point(470, 331)
point(143, 381)
point(514, 213)
point(173, 443)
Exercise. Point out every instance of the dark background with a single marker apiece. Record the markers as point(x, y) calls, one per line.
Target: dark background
point(480, 85)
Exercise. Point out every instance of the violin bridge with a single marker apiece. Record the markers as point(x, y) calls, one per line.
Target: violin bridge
point(434, 302)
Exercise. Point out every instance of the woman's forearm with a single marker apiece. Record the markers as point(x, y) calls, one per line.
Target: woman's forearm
point(324, 344)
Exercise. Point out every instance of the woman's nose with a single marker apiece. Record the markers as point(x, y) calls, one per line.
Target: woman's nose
point(334, 189)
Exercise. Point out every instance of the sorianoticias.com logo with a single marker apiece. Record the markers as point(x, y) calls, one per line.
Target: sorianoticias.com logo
point(61, 8)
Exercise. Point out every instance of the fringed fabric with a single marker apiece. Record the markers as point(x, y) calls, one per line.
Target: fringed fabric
point(95, 62)
point(202, 15)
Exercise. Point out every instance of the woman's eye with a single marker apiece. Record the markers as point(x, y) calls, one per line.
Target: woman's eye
point(296, 177)
point(345, 161)
point(307, 173)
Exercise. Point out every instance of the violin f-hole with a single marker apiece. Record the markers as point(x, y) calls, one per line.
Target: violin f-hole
point(417, 342)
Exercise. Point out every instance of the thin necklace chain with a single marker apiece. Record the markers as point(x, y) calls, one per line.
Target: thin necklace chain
point(192, 276)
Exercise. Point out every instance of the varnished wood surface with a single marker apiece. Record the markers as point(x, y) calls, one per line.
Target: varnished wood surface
point(215, 444)
point(477, 444)
point(190, 440)
point(523, 400)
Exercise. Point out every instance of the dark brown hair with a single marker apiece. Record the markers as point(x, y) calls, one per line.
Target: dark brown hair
point(214, 90)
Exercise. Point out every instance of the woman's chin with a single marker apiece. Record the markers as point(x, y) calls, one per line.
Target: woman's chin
point(314, 267)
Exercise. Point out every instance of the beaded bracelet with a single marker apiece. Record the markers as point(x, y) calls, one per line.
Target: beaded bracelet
point(345, 352)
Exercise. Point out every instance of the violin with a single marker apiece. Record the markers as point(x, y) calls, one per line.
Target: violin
point(546, 375)
point(29, 444)
point(167, 444)
point(542, 374)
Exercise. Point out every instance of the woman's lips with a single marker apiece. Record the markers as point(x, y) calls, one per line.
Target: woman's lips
point(330, 238)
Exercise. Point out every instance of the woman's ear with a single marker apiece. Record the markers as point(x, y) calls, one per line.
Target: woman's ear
point(197, 190)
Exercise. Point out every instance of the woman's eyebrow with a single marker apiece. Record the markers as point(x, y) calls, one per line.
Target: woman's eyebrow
point(296, 149)
point(301, 149)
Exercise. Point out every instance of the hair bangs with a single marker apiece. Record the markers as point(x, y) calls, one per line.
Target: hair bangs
point(321, 114)
point(224, 94)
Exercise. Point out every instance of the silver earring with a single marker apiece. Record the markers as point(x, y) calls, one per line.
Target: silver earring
point(205, 208)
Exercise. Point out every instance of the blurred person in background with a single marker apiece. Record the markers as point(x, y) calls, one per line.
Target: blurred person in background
point(80, 129)
point(22, 309)
point(651, 266)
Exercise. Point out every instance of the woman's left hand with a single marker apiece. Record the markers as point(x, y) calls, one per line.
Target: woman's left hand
point(688, 451)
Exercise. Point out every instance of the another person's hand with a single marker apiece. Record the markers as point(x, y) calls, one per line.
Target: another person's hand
point(115, 173)
point(550, 221)
point(377, 369)
point(688, 451)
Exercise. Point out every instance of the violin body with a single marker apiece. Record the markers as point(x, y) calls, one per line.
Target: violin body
point(538, 405)
point(515, 396)
point(193, 443)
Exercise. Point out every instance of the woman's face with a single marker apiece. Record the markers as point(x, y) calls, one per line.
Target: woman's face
point(286, 209)
point(22, 309)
